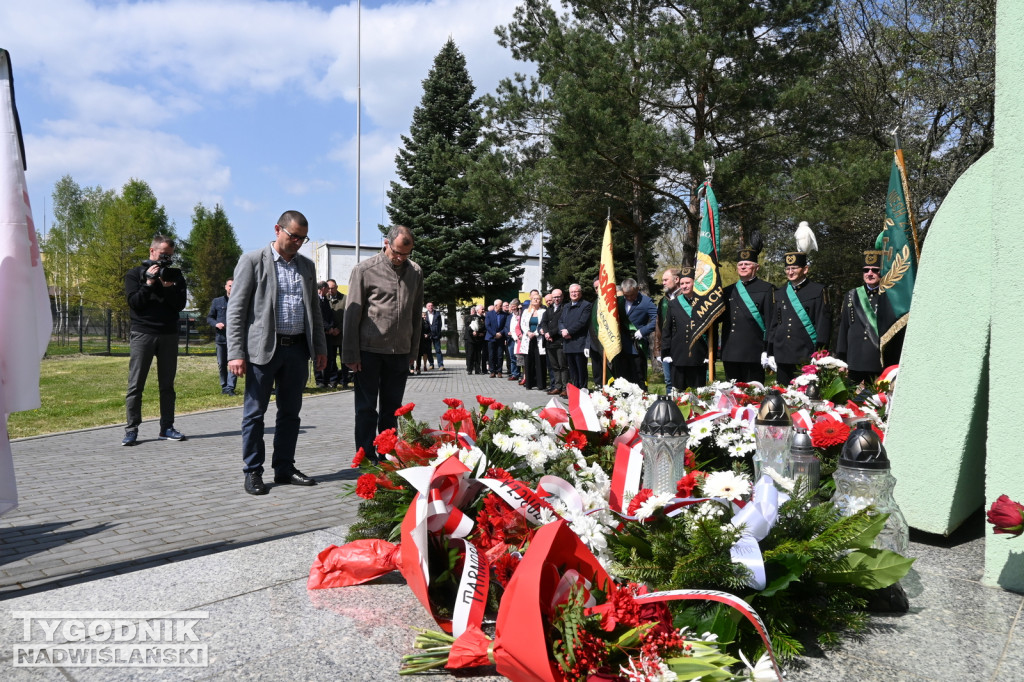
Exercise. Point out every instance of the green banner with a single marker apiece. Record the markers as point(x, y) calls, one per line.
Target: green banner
point(708, 301)
point(899, 252)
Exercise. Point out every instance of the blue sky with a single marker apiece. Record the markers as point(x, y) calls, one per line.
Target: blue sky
point(249, 104)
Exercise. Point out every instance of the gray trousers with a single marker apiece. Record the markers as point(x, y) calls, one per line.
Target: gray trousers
point(142, 349)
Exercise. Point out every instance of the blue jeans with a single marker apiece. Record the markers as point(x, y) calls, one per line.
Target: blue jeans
point(142, 349)
point(227, 379)
point(289, 371)
point(437, 350)
point(513, 366)
point(382, 378)
point(666, 367)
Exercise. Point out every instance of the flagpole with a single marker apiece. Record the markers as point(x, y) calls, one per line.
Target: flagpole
point(898, 152)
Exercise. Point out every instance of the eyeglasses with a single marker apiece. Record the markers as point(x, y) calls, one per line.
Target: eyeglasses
point(872, 269)
point(400, 254)
point(294, 237)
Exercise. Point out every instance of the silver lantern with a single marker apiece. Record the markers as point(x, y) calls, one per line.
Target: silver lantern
point(773, 431)
point(663, 434)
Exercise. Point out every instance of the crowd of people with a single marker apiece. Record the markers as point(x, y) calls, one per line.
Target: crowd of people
point(275, 318)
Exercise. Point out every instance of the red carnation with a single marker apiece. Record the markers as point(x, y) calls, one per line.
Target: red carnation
point(358, 459)
point(455, 415)
point(499, 473)
point(829, 432)
point(638, 499)
point(1006, 516)
point(366, 486)
point(575, 439)
point(484, 401)
point(404, 409)
point(385, 441)
point(689, 459)
point(497, 406)
point(686, 484)
point(453, 402)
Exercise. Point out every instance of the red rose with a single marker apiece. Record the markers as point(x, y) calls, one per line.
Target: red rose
point(453, 402)
point(829, 432)
point(366, 486)
point(638, 499)
point(404, 409)
point(484, 401)
point(385, 441)
point(1006, 516)
point(575, 439)
point(358, 459)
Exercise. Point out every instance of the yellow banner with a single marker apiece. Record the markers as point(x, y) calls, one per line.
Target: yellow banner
point(607, 304)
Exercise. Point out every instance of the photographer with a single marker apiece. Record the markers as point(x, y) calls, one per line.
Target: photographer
point(156, 294)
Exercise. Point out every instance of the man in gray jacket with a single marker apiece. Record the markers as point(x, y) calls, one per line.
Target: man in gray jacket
point(381, 333)
point(274, 327)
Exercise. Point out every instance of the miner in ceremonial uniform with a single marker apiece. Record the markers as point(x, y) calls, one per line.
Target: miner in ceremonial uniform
point(801, 322)
point(857, 344)
point(745, 323)
point(689, 365)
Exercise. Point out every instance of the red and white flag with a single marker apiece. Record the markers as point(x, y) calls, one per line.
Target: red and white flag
point(581, 409)
point(25, 321)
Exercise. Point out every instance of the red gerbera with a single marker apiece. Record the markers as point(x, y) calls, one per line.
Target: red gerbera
point(575, 439)
point(358, 459)
point(829, 432)
point(404, 409)
point(453, 402)
point(366, 486)
point(484, 401)
point(385, 441)
point(504, 567)
point(638, 499)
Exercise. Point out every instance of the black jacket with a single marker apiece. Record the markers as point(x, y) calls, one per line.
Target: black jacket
point(219, 313)
point(788, 339)
point(154, 308)
point(857, 344)
point(742, 339)
point(675, 338)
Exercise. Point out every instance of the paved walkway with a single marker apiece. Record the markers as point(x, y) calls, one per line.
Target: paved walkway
point(90, 508)
point(94, 514)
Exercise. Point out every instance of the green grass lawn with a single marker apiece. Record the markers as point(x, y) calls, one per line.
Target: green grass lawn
point(81, 391)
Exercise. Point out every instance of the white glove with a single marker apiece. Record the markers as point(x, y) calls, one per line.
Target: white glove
point(638, 335)
point(666, 361)
point(764, 360)
point(586, 352)
point(771, 363)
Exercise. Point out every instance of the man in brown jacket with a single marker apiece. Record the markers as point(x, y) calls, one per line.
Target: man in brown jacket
point(381, 333)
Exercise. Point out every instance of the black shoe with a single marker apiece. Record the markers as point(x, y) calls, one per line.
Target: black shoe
point(295, 478)
point(254, 484)
point(131, 437)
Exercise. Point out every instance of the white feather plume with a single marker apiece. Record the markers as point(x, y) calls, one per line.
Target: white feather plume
point(805, 240)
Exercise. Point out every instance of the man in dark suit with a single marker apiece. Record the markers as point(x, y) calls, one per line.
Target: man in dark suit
point(495, 324)
point(801, 322)
point(323, 377)
point(670, 283)
point(689, 365)
point(336, 370)
point(593, 349)
point(218, 319)
point(638, 322)
point(434, 321)
point(274, 327)
point(553, 345)
point(857, 344)
point(574, 328)
point(748, 308)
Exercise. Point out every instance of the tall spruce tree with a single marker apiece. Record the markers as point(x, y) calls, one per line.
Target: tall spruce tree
point(209, 256)
point(464, 248)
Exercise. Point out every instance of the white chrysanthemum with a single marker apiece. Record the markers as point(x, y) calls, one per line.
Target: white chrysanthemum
point(521, 446)
point(599, 401)
point(471, 457)
point(523, 427)
point(620, 416)
point(503, 442)
point(444, 452)
point(546, 516)
point(726, 484)
point(831, 362)
point(520, 406)
point(796, 399)
point(653, 504)
point(590, 531)
point(805, 379)
point(605, 422)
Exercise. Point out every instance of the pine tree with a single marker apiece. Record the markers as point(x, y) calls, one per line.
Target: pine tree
point(209, 256)
point(464, 248)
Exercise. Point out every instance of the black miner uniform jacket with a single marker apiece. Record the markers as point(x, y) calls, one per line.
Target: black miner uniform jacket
point(742, 339)
point(788, 340)
point(675, 338)
point(857, 344)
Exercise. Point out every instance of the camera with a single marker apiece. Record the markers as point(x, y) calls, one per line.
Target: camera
point(164, 262)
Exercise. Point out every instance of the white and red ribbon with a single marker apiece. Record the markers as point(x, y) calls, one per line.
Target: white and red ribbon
point(471, 597)
point(581, 410)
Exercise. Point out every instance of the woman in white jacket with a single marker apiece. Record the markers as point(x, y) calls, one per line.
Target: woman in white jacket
point(535, 372)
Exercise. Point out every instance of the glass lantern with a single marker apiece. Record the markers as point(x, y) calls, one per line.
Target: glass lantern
point(804, 463)
point(773, 432)
point(863, 478)
point(663, 436)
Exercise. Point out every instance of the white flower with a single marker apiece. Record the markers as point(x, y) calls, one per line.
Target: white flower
point(786, 483)
point(726, 484)
point(590, 532)
point(653, 504)
point(762, 670)
point(444, 452)
point(830, 361)
point(523, 427)
point(503, 442)
point(546, 516)
point(471, 457)
point(805, 379)
point(600, 402)
point(520, 406)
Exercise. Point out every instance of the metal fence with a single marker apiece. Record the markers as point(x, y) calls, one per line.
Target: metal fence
point(101, 331)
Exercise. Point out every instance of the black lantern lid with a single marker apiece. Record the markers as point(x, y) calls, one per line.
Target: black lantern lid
point(773, 410)
point(813, 392)
point(801, 443)
point(863, 449)
point(664, 418)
